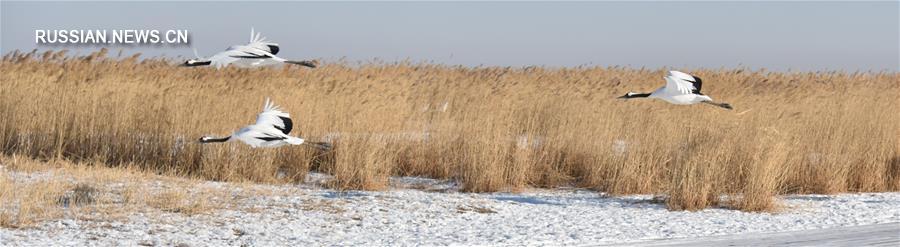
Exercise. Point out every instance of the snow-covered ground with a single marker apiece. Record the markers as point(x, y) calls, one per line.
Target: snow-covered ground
point(429, 212)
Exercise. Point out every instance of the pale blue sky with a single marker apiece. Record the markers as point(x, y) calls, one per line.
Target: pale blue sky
point(774, 35)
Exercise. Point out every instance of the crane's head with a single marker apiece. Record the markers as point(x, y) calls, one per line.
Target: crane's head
point(631, 95)
point(209, 139)
point(627, 95)
point(196, 62)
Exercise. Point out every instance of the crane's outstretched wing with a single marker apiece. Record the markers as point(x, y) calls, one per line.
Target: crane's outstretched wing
point(256, 137)
point(237, 53)
point(247, 52)
point(695, 81)
point(245, 56)
point(260, 43)
point(273, 117)
point(682, 83)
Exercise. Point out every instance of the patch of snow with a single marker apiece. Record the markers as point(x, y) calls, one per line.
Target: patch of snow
point(529, 141)
point(307, 214)
point(619, 147)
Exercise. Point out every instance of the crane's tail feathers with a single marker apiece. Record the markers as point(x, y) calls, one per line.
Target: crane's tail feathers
point(311, 64)
point(723, 104)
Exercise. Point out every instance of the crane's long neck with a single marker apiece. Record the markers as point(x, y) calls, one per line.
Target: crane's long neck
point(213, 139)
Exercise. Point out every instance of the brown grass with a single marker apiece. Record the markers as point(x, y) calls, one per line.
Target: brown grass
point(491, 128)
point(26, 204)
point(33, 191)
point(176, 200)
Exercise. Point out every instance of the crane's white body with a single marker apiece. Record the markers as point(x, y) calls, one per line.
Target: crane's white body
point(250, 134)
point(679, 99)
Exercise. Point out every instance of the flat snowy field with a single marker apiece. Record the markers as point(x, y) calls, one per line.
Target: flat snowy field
point(435, 214)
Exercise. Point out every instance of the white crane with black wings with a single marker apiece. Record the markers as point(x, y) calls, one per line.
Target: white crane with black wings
point(680, 89)
point(272, 129)
point(257, 53)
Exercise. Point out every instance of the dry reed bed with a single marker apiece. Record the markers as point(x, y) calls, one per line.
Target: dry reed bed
point(491, 128)
point(33, 191)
